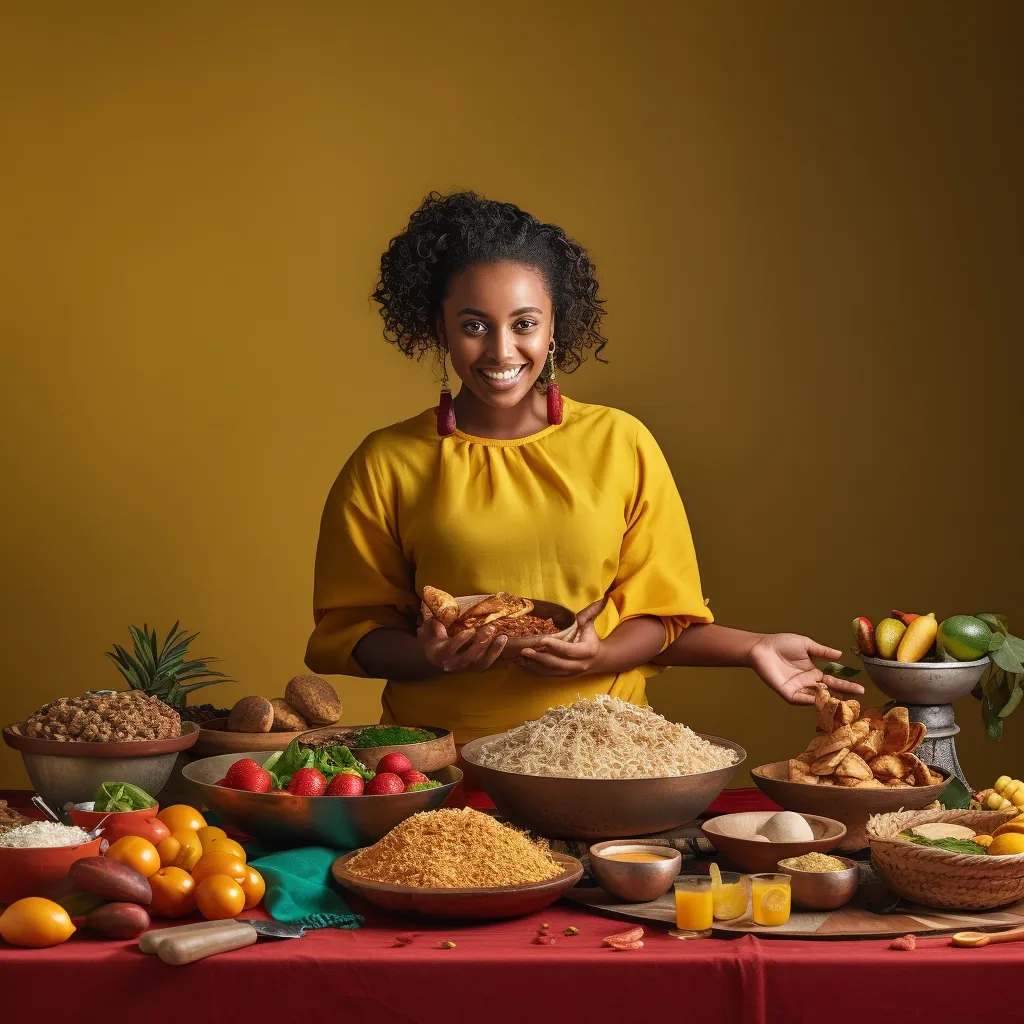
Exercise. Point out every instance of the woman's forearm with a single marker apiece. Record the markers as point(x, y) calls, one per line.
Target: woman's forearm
point(393, 654)
point(711, 645)
point(631, 643)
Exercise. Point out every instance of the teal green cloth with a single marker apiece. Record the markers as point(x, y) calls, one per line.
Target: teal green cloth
point(299, 887)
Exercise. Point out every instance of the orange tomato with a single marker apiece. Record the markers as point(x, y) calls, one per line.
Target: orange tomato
point(35, 923)
point(137, 853)
point(253, 886)
point(190, 849)
point(219, 897)
point(214, 863)
point(225, 846)
point(179, 816)
point(209, 834)
point(174, 893)
point(168, 849)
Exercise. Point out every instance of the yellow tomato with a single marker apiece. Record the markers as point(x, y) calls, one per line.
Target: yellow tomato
point(1005, 845)
point(219, 897)
point(1013, 826)
point(174, 893)
point(34, 922)
point(219, 864)
point(225, 846)
point(179, 816)
point(190, 849)
point(137, 853)
point(168, 849)
point(210, 834)
point(253, 886)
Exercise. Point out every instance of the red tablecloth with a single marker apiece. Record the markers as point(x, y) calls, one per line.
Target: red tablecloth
point(495, 974)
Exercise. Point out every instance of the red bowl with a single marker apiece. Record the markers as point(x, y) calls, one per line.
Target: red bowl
point(31, 872)
point(90, 819)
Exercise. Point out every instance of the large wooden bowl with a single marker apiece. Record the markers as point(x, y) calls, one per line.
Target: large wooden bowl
point(215, 738)
point(428, 756)
point(560, 808)
point(851, 806)
point(730, 834)
point(514, 646)
point(488, 904)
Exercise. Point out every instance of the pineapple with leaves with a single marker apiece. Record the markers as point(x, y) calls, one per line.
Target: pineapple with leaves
point(162, 671)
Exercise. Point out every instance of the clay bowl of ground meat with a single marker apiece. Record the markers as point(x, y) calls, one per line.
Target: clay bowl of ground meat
point(546, 619)
point(72, 744)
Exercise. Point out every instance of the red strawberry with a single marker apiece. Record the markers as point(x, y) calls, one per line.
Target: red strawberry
point(864, 636)
point(905, 617)
point(221, 782)
point(396, 763)
point(385, 784)
point(411, 777)
point(307, 782)
point(345, 784)
point(247, 775)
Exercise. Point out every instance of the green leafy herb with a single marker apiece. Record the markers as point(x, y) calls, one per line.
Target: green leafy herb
point(1002, 685)
point(839, 671)
point(950, 845)
point(418, 787)
point(329, 761)
point(389, 736)
point(121, 796)
point(956, 796)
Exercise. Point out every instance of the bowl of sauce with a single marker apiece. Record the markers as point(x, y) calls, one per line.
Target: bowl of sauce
point(634, 872)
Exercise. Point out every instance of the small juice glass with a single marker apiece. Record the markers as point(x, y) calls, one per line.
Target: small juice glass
point(694, 906)
point(730, 896)
point(770, 895)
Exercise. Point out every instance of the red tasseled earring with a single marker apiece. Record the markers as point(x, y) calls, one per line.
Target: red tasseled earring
point(554, 396)
point(446, 406)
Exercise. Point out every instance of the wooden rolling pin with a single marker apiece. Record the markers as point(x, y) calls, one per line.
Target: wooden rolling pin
point(192, 945)
point(152, 940)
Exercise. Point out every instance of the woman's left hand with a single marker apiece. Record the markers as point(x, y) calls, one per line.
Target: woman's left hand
point(559, 658)
point(783, 661)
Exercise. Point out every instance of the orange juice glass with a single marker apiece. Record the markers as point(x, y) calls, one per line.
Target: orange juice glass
point(769, 896)
point(694, 905)
point(730, 898)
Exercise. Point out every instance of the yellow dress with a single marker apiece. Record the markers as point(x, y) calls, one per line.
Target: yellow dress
point(569, 514)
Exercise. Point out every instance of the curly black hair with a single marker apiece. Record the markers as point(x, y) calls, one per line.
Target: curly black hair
point(448, 234)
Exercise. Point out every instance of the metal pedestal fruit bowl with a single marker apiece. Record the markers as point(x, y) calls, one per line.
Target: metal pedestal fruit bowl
point(283, 820)
point(924, 682)
point(559, 808)
point(70, 772)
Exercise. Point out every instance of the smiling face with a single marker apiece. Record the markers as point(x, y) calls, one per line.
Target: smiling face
point(497, 323)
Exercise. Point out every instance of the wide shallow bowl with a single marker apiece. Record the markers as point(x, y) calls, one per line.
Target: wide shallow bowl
point(851, 806)
point(561, 616)
point(283, 820)
point(32, 872)
point(634, 881)
point(71, 772)
point(216, 738)
point(731, 835)
point(924, 682)
point(600, 808)
point(462, 904)
point(823, 890)
point(427, 756)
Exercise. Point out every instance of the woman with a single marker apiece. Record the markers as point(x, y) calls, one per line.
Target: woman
point(509, 487)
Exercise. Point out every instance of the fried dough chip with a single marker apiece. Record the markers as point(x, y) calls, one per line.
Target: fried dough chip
point(826, 706)
point(491, 609)
point(828, 764)
point(897, 730)
point(934, 778)
point(871, 745)
point(860, 730)
point(849, 712)
point(887, 766)
point(867, 784)
point(854, 767)
point(826, 780)
point(874, 716)
point(799, 771)
point(917, 734)
point(439, 605)
point(837, 740)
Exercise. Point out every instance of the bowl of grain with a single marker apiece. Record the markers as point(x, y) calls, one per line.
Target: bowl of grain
point(602, 769)
point(821, 881)
point(457, 864)
point(38, 854)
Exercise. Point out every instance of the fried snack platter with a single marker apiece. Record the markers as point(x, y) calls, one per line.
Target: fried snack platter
point(521, 619)
point(862, 750)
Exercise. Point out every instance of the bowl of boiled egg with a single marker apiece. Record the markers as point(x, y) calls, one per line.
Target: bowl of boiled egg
point(757, 840)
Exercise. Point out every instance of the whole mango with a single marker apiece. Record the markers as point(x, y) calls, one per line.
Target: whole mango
point(918, 639)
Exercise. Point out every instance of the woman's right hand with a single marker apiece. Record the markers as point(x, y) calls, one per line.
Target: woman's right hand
point(472, 650)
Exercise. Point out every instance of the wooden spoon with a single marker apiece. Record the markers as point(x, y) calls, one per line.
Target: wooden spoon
point(971, 940)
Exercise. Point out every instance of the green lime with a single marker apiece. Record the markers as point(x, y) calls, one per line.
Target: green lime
point(965, 637)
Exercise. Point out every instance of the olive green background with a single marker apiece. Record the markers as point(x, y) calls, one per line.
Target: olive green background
point(807, 219)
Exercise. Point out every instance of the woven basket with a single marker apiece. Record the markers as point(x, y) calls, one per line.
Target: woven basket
point(938, 878)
